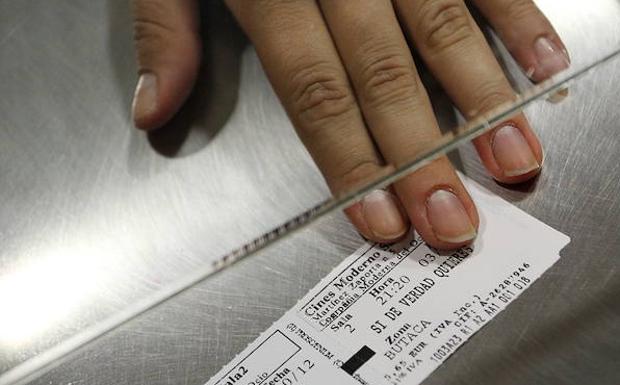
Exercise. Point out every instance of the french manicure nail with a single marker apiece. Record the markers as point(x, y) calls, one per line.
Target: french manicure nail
point(383, 216)
point(551, 59)
point(448, 218)
point(512, 152)
point(145, 97)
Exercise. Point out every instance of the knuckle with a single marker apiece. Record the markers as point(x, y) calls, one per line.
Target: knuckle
point(149, 34)
point(281, 14)
point(521, 9)
point(288, 8)
point(387, 78)
point(150, 43)
point(444, 23)
point(358, 171)
point(271, 5)
point(490, 95)
point(319, 94)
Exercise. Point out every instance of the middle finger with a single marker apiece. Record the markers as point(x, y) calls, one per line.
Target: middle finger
point(399, 116)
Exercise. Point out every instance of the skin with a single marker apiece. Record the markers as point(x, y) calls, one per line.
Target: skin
point(345, 74)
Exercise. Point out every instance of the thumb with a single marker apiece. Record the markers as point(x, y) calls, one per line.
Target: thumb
point(167, 40)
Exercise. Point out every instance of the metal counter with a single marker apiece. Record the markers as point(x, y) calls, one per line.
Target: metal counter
point(95, 215)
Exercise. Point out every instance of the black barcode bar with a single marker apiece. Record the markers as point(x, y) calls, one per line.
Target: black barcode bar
point(357, 360)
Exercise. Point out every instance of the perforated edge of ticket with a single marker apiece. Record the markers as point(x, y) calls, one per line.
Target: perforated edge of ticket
point(391, 314)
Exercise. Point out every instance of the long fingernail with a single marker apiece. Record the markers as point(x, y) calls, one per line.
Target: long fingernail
point(383, 217)
point(448, 217)
point(512, 152)
point(145, 97)
point(551, 59)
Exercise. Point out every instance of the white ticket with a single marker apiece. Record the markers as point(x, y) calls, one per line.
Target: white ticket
point(391, 314)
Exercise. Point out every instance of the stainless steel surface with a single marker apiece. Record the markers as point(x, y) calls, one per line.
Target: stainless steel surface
point(114, 214)
point(117, 215)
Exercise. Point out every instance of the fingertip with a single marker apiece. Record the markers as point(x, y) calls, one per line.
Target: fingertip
point(510, 180)
point(379, 217)
point(511, 152)
point(168, 50)
point(453, 217)
point(161, 91)
point(551, 58)
point(442, 245)
point(439, 206)
point(449, 219)
point(529, 36)
point(145, 102)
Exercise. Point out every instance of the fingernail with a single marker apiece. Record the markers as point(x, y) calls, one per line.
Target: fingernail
point(558, 96)
point(145, 97)
point(512, 152)
point(448, 217)
point(383, 217)
point(551, 59)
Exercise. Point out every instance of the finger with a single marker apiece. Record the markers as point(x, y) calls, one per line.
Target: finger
point(455, 50)
point(167, 40)
point(304, 68)
point(399, 115)
point(528, 35)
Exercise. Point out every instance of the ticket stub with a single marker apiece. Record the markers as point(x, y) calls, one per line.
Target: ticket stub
point(391, 314)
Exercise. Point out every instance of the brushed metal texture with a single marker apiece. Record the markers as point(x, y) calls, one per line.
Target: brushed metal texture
point(114, 215)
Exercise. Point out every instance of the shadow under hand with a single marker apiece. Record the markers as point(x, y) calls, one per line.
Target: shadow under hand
point(215, 93)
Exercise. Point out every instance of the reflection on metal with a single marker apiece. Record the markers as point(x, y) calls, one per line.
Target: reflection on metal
point(36, 297)
point(96, 219)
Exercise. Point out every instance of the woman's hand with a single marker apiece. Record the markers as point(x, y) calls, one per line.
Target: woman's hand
point(346, 77)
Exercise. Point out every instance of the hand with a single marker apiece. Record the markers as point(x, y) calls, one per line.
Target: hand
point(346, 77)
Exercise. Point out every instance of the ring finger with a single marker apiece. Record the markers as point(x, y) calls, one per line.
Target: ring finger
point(457, 53)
